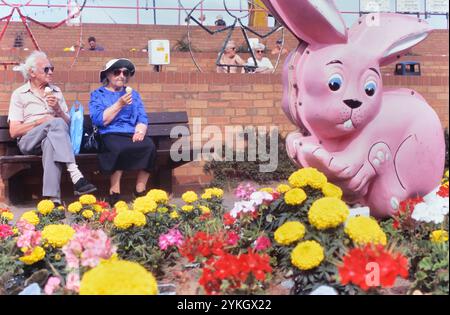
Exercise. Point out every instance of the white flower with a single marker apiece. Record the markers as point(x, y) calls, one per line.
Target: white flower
point(258, 197)
point(242, 206)
point(433, 210)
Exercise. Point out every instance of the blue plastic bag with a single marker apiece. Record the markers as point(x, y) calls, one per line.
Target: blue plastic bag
point(76, 126)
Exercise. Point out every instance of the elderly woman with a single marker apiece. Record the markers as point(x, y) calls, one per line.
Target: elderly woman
point(264, 65)
point(119, 114)
point(231, 59)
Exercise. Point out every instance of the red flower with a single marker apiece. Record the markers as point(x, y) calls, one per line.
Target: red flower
point(232, 238)
point(370, 266)
point(443, 191)
point(228, 219)
point(262, 243)
point(275, 195)
point(234, 271)
point(108, 216)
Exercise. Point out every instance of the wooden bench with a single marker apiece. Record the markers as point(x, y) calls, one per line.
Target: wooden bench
point(13, 164)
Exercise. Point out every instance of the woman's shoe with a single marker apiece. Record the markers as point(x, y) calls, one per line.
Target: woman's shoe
point(137, 194)
point(113, 199)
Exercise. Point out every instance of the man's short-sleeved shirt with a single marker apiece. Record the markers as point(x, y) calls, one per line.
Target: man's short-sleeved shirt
point(26, 106)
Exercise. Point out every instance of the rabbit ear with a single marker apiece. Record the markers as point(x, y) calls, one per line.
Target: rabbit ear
point(388, 35)
point(313, 21)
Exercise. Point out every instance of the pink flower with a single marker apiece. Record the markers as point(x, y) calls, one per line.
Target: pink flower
point(87, 247)
point(52, 284)
point(5, 231)
point(73, 282)
point(262, 243)
point(243, 191)
point(232, 238)
point(171, 238)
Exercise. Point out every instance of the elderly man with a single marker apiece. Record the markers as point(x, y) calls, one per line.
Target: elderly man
point(231, 60)
point(38, 118)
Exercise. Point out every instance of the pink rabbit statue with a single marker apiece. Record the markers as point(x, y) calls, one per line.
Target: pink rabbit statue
point(379, 145)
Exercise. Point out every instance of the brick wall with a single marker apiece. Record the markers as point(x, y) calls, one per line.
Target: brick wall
point(137, 36)
point(217, 100)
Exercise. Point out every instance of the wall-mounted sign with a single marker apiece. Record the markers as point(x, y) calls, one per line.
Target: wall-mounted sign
point(437, 6)
point(375, 5)
point(412, 6)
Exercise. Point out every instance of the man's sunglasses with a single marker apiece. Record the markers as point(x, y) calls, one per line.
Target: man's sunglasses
point(260, 51)
point(48, 68)
point(117, 72)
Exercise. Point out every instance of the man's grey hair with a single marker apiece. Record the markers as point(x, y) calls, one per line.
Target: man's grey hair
point(30, 63)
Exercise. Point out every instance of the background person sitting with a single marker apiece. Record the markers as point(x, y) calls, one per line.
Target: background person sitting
point(220, 21)
point(93, 44)
point(264, 64)
point(279, 48)
point(230, 57)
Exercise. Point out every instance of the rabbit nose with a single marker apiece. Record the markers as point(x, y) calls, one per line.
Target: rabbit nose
point(353, 103)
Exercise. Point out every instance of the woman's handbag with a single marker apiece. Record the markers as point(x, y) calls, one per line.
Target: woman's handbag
point(91, 142)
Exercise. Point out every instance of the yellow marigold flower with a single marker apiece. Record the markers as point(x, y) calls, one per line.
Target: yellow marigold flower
point(45, 207)
point(187, 208)
point(123, 219)
point(121, 206)
point(328, 212)
point(439, 236)
point(174, 215)
point(283, 188)
point(118, 277)
point(308, 176)
point(145, 205)
point(307, 255)
point(16, 231)
point(267, 190)
point(331, 190)
point(9, 216)
point(127, 218)
point(139, 219)
point(75, 207)
point(205, 210)
point(212, 192)
point(289, 233)
point(37, 255)
point(295, 197)
point(163, 210)
point(61, 208)
point(98, 208)
point(58, 257)
point(189, 197)
point(31, 217)
point(57, 235)
point(87, 214)
point(364, 230)
point(158, 195)
point(88, 199)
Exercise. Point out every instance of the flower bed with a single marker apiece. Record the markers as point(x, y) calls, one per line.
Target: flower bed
point(301, 232)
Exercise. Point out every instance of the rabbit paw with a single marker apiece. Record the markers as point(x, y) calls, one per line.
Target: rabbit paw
point(380, 157)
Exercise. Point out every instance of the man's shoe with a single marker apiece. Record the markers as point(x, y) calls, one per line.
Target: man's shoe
point(83, 187)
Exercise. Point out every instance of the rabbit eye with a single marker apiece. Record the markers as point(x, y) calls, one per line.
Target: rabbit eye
point(370, 88)
point(335, 82)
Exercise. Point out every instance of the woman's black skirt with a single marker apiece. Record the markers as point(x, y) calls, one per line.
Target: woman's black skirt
point(120, 153)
